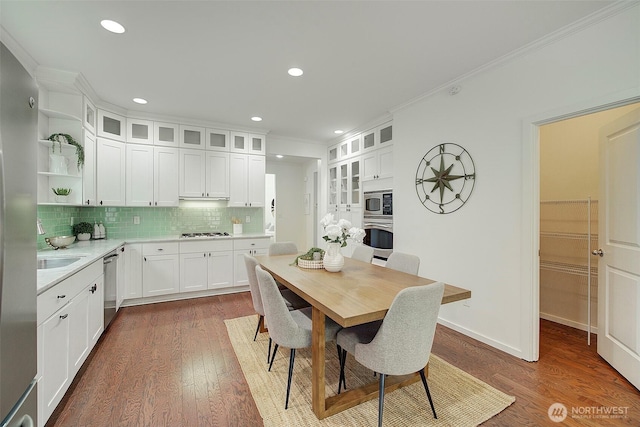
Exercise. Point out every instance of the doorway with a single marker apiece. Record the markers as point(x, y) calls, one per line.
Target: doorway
point(568, 220)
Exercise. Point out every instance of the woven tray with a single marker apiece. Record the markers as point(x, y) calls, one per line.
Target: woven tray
point(305, 263)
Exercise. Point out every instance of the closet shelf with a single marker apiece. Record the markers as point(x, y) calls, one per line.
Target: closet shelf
point(580, 270)
point(574, 236)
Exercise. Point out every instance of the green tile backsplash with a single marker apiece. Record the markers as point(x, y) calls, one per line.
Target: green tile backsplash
point(118, 221)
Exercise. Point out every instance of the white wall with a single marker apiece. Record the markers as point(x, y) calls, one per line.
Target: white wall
point(290, 187)
point(484, 245)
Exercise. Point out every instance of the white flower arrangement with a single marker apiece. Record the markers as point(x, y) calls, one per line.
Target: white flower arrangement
point(341, 230)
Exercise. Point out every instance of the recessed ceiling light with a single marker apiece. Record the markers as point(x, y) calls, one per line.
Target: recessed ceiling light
point(295, 72)
point(256, 119)
point(338, 132)
point(279, 156)
point(112, 26)
point(139, 100)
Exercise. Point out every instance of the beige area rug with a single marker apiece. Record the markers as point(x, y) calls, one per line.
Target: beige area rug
point(459, 398)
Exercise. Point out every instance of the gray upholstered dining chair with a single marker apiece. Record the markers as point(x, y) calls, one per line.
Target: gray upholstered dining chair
point(363, 253)
point(402, 344)
point(290, 329)
point(251, 263)
point(283, 248)
point(406, 263)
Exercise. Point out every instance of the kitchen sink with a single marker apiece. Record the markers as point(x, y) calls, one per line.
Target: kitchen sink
point(55, 262)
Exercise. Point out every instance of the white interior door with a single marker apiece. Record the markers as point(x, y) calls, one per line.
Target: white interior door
point(619, 236)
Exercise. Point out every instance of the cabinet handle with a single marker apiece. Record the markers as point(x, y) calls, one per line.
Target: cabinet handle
point(122, 249)
point(100, 202)
point(205, 255)
point(207, 194)
point(61, 296)
point(202, 194)
point(93, 289)
point(160, 249)
point(145, 259)
point(149, 203)
point(156, 203)
point(63, 316)
point(87, 201)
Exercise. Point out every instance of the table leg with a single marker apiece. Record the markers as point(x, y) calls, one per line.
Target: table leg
point(317, 363)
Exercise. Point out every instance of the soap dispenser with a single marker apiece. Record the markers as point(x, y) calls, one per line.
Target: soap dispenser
point(103, 231)
point(96, 230)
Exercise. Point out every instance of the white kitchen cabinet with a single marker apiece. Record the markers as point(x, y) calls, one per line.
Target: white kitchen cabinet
point(133, 271)
point(349, 147)
point(378, 137)
point(253, 247)
point(110, 172)
point(68, 326)
point(192, 169)
point(257, 144)
point(151, 176)
point(206, 265)
point(160, 269)
point(192, 137)
point(140, 131)
point(247, 181)
point(332, 155)
point(89, 115)
point(217, 175)
point(166, 134)
point(165, 176)
point(96, 309)
point(111, 125)
point(345, 176)
point(239, 142)
point(89, 170)
point(53, 340)
point(139, 175)
point(121, 266)
point(378, 164)
point(204, 174)
point(242, 142)
point(334, 181)
point(217, 139)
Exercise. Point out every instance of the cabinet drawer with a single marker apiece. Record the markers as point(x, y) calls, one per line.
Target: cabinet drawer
point(58, 296)
point(242, 244)
point(206, 246)
point(164, 248)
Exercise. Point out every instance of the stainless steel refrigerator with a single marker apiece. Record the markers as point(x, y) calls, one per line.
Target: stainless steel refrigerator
point(18, 139)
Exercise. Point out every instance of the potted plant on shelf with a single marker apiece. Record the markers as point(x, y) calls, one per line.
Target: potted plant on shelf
point(83, 230)
point(62, 194)
point(65, 138)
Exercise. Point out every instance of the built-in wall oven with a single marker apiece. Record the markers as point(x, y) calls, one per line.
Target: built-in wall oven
point(377, 222)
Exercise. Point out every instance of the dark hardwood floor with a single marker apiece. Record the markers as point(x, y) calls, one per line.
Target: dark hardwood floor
point(172, 364)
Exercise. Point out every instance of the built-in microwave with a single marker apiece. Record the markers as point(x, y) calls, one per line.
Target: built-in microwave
point(378, 203)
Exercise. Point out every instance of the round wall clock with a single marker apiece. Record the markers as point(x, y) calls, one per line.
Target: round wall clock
point(445, 178)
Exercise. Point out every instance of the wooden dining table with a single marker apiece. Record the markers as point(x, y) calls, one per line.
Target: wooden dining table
point(359, 293)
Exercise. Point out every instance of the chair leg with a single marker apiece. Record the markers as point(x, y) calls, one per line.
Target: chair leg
point(342, 379)
point(292, 357)
point(426, 387)
point(260, 320)
point(380, 399)
point(269, 351)
point(273, 356)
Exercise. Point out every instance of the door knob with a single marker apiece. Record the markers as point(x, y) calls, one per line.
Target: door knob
point(598, 252)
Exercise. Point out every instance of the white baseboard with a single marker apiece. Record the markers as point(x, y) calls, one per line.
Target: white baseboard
point(482, 338)
point(183, 296)
point(568, 322)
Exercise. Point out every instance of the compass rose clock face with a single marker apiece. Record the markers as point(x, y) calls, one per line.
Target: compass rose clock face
point(445, 178)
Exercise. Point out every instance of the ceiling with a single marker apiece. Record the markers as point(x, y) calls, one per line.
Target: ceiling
point(227, 61)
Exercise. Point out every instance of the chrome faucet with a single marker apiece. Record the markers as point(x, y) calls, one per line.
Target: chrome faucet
point(40, 227)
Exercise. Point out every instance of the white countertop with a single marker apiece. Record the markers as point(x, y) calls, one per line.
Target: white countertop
point(93, 250)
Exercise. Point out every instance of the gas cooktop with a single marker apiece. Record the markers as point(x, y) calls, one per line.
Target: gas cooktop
point(204, 234)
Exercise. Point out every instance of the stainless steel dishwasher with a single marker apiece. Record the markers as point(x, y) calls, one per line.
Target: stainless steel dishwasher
point(110, 286)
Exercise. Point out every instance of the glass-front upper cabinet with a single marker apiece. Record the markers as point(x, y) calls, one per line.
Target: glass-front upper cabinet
point(369, 140)
point(140, 131)
point(89, 115)
point(333, 153)
point(355, 183)
point(385, 134)
point(333, 188)
point(192, 137)
point(257, 144)
point(165, 134)
point(239, 142)
point(217, 139)
point(111, 126)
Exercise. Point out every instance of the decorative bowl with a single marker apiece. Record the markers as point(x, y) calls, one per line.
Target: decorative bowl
point(60, 242)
